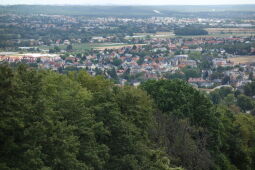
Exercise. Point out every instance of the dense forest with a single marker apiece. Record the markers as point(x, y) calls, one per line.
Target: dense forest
point(75, 121)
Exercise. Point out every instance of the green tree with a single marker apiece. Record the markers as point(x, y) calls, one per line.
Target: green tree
point(69, 48)
point(249, 89)
point(127, 114)
point(229, 99)
point(191, 72)
point(46, 124)
point(179, 99)
point(245, 103)
point(112, 73)
point(195, 56)
point(116, 62)
point(245, 156)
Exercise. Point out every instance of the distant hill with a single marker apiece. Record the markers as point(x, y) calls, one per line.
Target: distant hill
point(177, 10)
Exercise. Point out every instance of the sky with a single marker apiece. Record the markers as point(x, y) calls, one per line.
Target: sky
point(128, 2)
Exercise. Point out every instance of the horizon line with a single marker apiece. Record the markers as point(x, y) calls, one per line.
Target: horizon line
point(109, 4)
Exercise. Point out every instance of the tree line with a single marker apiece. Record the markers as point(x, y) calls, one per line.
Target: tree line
point(190, 30)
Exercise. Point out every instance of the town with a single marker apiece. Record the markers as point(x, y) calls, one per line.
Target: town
point(207, 52)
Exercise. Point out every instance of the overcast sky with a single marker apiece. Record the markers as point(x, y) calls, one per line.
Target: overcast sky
point(129, 2)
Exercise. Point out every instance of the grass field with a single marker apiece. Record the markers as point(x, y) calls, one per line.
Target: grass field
point(219, 35)
point(241, 33)
point(151, 35)
point(76, 47)
point(103, 46)
point(230, 30)
point(87, 46)
point(243, 59)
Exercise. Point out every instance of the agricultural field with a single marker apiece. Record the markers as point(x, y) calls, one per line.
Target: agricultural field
point(212, 33)
point(230, 30)
point(243, 59)
point(87, 46)
point(103, 46)
point(76, 47)
point(219, 35)
point(151, 35)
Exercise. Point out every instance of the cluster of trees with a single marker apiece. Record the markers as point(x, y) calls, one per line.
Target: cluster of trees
point(237, 48)
point(184, 74)
point(190, 30)
point(234, 99)
point(75, 121)
point(198, 134)
point(56, 49)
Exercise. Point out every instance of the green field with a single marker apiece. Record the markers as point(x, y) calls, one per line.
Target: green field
point(218, 35)
point(104, 46)
point(76, 47)
point(151, 35)
point(171, 35)
point(87, 46)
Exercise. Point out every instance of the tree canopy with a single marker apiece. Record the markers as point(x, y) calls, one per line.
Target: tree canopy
point(76, 121)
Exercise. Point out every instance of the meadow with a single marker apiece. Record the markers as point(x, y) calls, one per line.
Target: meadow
point(243, 59)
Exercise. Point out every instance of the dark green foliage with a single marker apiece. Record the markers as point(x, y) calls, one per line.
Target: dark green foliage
point(237, 48)
point(116, 62)
point(69, 48)
point(249, 89)
point(197, 135)
point(185, 74)
point(191, 72)
point(182, 100)
point(127, 114)
point(56, 49)
point(218, 95)
point(112, 73)
point(245, 102)
point(176, 75)
point(74, 121)
point(188, 108)
point(45, 122)
point(185, 144)
point(237, 134)
point(190, 30)
point(244, 157)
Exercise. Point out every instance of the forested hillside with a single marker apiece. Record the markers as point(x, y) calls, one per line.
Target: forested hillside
point(75, 121)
